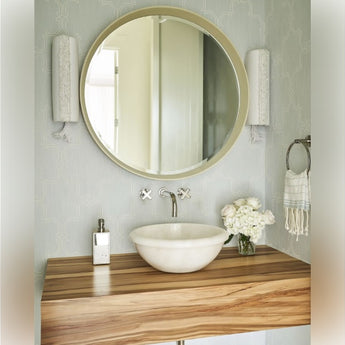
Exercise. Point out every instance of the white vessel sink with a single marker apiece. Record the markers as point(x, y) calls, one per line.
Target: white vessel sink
point(178, 247)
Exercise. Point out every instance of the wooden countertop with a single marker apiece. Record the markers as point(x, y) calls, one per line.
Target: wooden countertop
point(129, 302)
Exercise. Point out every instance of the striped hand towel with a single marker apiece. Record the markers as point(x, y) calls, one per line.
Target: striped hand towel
point(297, 202)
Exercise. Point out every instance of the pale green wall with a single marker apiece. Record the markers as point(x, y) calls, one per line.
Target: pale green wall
point(288, 40)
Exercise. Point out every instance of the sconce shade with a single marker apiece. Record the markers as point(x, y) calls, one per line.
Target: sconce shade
point(257, 65)
point(65, 79)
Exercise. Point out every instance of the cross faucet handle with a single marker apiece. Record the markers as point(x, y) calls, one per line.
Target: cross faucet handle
point(183, 193)
point(145, 194)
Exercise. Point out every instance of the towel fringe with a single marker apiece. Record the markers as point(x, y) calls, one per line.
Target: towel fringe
point(297, 221)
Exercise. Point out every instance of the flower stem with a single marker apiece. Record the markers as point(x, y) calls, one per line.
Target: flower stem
point(229, 238)
point(246, 246)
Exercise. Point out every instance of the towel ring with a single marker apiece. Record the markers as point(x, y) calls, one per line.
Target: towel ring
point(306, 143)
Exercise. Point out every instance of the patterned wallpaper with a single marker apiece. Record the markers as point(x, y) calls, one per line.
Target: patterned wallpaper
point(288, 39)
point(76, 183)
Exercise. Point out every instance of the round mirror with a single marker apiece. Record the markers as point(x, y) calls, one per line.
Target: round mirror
point(163, 93)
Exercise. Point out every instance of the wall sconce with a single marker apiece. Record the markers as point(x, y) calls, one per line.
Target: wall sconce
point(65, 75)
point(257, 64)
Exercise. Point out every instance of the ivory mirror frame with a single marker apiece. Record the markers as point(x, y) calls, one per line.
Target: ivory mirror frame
point(222, 40)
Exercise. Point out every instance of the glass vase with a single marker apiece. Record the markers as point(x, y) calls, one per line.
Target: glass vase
point(245, 245)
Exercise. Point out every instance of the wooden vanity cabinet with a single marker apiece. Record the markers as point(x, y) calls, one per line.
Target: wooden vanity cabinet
point(129, 302)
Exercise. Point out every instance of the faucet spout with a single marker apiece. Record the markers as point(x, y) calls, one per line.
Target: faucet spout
point(174, 205)
point(163, 192)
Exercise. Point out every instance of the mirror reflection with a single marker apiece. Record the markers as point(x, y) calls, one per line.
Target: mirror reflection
point(161, 95)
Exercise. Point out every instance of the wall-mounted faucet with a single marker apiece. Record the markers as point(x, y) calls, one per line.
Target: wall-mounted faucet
point(164, 193)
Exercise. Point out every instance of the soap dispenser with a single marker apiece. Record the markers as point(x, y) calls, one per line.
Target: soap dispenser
point(101, 245)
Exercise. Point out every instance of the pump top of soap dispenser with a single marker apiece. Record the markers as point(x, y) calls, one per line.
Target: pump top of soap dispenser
point(101, 225)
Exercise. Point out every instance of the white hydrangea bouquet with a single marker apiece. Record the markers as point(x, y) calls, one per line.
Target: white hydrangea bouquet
point(242, 218)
